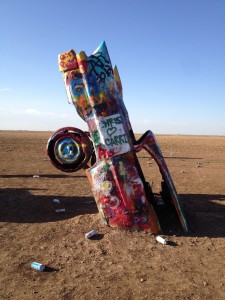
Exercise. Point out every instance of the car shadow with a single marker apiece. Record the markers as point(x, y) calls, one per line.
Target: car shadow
point(41, 176)
point(205, 214)
point(22, 206)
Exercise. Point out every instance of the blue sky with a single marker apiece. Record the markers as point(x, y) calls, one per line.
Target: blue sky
point(170, 55)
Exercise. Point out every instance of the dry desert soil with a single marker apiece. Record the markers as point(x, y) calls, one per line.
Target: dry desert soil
point(115, 264)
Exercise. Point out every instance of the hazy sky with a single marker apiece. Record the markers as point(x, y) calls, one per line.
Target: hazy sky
point(170, 55)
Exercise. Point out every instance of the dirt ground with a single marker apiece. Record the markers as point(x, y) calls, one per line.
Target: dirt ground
point(116, 264)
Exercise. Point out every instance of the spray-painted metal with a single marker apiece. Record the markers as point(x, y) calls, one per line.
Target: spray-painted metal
point(123, 197)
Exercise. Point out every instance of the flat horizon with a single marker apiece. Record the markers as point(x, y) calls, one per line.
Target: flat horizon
point(136, 133)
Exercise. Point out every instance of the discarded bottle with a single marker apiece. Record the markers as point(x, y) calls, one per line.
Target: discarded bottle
point(60, 210)
point(36, 176)
point(91, 233)
point(37, 266)
point(161, 240)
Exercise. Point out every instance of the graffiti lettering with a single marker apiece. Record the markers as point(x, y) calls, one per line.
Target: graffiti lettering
point(100, 66)
point(110, 122)
point(116, 140)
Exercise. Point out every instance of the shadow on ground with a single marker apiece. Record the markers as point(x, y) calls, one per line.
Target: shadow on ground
point(21, 206)
point(41, 176)
point(205, 214)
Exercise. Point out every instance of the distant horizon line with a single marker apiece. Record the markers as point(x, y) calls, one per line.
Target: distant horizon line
point(52, 131)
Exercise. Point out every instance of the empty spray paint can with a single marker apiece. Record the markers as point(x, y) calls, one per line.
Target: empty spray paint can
point(37, 266)
point(60, 210)
point(161, 240)
point(91, 233)
point(56, 200)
